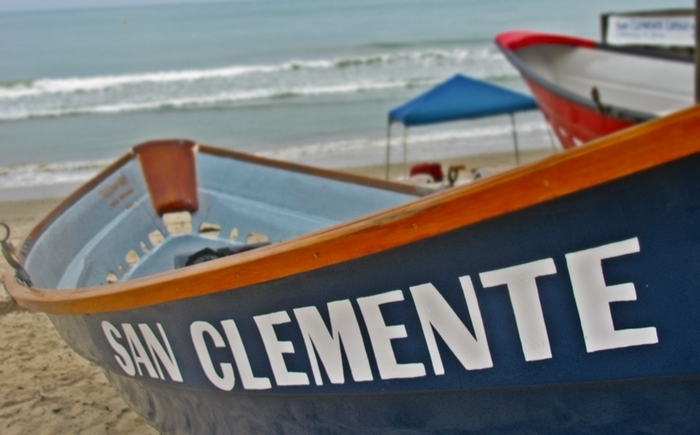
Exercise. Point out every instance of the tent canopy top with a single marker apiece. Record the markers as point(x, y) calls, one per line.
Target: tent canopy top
point(458, 98)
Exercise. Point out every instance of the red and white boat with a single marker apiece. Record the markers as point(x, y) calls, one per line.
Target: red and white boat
point(587, 90)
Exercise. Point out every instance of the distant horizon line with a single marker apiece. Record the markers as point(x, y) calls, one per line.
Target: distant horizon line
point(23, 8)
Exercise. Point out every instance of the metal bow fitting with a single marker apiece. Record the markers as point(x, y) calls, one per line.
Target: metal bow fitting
point(10, 254)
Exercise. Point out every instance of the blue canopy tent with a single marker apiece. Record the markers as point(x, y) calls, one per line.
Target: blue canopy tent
point(458, 98)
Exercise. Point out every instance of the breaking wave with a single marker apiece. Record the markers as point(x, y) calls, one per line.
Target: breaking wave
point(50, 174)
point(235, 85)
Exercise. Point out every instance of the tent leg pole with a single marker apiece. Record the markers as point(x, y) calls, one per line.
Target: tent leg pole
point(697, 55)
point(515, 139)
point(388, 149)
point(551, 137)
point(405, 151)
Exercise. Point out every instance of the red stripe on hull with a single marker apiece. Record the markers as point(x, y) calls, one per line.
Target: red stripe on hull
point(573, 123)
point(519, 39)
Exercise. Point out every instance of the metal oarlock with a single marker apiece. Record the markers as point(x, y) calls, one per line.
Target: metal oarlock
point(10, 254)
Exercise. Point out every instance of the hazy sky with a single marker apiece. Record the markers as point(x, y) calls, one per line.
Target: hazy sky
point(22, 5)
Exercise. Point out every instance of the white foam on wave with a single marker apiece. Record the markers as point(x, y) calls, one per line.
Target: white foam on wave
point(217, 87)
point(199, 101)
point(49, 174)
point(53, 86)
point(83, 84)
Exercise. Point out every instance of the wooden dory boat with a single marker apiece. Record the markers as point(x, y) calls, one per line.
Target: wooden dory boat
point(558, 298)
point(587, 90)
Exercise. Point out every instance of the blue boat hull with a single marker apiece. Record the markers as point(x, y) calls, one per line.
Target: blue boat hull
point(578, 315)
point(655, 407)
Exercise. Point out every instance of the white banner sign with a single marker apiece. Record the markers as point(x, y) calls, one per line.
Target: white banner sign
point(677, 31)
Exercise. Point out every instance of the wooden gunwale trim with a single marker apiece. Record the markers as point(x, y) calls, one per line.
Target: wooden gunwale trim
point(317, 172)
point(618, 155)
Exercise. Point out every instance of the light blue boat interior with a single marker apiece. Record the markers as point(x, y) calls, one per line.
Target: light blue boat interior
point(113, 233)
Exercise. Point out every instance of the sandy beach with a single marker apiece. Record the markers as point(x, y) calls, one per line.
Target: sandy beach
point(45, 388)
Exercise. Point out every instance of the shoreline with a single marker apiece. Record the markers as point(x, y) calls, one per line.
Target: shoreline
point(46, 387)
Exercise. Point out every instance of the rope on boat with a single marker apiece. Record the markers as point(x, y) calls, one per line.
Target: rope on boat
point(10, 254)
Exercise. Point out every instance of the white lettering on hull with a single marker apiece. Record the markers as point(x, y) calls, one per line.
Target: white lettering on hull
point(525, 300)
point(276, 349)
point(340, 344)
point(224, 381)
point(159, 353)
point(345, 328)
point(250, 381)
point(381, 335)
point(435, 314)
point(593, 298)
point(123, 358)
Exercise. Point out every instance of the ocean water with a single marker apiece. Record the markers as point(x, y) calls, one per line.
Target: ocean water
point(303, 80)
